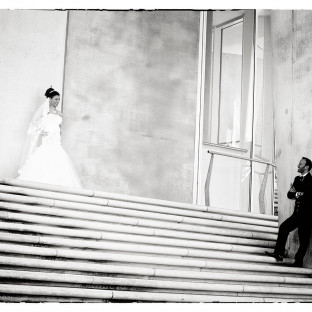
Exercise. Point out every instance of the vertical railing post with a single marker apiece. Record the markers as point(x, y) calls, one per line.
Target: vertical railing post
point(207, 184)
point(262, 190)
point(274, 189)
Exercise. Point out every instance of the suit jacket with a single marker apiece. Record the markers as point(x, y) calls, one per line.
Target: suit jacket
point(303, 203)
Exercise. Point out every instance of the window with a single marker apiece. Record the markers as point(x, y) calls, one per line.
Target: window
point(225, 112)
point(230, 85)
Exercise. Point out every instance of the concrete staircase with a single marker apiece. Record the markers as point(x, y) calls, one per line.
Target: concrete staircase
point(76, 245)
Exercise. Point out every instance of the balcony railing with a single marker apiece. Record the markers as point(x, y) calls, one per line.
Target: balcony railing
point(261, 195)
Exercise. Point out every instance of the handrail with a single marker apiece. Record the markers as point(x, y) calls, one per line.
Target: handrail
point(263, 184)
point(238, 149)
point(242, 158)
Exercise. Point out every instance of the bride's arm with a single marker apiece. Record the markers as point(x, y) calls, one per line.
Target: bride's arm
point(42, 128)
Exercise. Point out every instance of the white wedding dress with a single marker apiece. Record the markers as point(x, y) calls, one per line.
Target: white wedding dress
point(49, 163)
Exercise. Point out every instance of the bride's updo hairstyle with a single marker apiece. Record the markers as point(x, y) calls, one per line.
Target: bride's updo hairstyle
point(50, 93)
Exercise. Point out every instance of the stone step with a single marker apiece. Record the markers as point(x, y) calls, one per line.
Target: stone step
point(212, 253)
point(102, 269)
point(112, 296)
point(216, 260)
point(40, 299)
point(77, 245)
point(132, 210)
point(132, 199)
point(162, 285)
point(51, 199)
point(103, 227)
point(147, 220)
point(226, 245)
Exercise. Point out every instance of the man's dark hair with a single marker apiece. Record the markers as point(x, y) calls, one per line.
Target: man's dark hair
point(308, 162)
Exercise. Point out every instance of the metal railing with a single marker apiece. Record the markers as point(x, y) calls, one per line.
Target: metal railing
point(251, 160)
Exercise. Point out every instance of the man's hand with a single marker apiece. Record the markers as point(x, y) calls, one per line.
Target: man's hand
point(298, 194)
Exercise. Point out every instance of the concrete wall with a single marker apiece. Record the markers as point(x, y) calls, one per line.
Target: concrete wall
point(292, 46)
point(130, 94)
point(130, 101)
point(31, 60)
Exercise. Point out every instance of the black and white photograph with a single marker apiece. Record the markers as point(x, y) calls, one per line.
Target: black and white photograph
point(155, 154)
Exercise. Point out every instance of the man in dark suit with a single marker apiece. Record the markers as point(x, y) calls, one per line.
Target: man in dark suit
point(301, 192)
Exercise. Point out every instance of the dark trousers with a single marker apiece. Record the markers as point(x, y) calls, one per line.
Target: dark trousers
point(304, 225)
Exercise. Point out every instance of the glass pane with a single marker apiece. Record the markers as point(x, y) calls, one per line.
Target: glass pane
point(230, 85)
point(263, 87)
point(262, 189)
point(229, 183)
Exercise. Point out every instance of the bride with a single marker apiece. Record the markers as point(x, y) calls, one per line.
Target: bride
point(44, 159)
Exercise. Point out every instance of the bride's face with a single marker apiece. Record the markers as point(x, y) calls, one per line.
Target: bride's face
point(55, 100)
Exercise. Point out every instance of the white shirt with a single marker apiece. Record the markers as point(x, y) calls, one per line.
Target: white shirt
point(301, 176)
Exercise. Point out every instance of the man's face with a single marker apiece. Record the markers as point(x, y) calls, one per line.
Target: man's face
point(302, 166)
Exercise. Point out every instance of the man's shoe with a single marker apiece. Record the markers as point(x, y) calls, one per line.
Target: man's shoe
point(297, 264)
point(274, 255)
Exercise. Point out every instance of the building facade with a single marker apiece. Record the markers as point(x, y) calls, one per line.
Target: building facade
point(204, 107)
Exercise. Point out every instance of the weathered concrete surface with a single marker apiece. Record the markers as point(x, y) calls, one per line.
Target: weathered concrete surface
point(130, 101)
point(292, 45)
point(31, 60)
